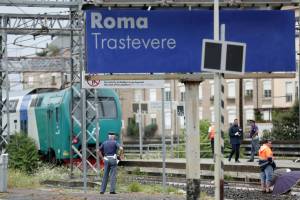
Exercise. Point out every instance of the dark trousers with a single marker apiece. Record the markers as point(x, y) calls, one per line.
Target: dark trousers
point(110, 167)
point(235, 148)
point(212, 145)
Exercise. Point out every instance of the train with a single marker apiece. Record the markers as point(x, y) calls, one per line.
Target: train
point(44, 115)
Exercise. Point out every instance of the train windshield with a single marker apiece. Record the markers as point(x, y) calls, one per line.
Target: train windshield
point(107, 108)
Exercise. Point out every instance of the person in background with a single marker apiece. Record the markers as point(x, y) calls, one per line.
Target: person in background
point(108, 151)
point(235, 134)
point(254, 140)
point(267, 165)
point(211, 136)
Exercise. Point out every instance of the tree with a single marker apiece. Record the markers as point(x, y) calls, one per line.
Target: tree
point(286, 124)
point(23, 153)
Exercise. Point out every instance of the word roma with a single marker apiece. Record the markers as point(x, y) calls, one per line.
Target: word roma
point(119, 22)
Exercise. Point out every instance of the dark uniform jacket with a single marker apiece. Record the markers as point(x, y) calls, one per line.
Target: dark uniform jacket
point(235, 139)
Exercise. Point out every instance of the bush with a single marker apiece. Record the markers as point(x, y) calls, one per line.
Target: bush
point(132, 127)
point(205, 148)
point(286, 124)
point(135, 187)
point(23, 154)
point(267, 135)
point(150, 130)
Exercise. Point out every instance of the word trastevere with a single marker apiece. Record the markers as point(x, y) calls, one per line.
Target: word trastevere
point(102, 41)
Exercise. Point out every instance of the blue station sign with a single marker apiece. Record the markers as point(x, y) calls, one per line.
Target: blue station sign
point(170, 40)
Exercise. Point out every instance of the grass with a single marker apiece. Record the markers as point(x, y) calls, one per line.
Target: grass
point(204, 196)
point(19, 179)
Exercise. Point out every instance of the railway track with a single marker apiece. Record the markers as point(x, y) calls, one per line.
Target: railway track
point(232, 189)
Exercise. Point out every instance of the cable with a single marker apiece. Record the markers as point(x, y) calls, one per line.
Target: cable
point(18, 7)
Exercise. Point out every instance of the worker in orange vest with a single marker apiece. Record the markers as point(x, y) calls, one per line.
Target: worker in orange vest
point(266, 164)
point(211, 136)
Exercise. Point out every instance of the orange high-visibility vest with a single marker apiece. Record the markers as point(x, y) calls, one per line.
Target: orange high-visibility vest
point(211, 132)
point(265, 152)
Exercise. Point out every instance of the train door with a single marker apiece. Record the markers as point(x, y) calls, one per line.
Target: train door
point(50, 127)
point(53, 127)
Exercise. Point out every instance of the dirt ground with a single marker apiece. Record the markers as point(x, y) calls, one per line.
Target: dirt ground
point(69, 194)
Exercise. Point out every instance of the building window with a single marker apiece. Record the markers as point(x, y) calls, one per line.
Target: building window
point(267, 88)
point(138, 95)
point(182, 93)
point(212, 116)
point(231, 116)
point(167, 120)
point(200, 92)
point(267, 116)
point(231, 89)
point(167, 94)
point(152, 94)
point(249, 88)
point(181, 118)
point(153, 119)
point(288, 91)
point(249, 114)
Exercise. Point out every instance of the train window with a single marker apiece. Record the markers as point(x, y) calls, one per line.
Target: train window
point(39, 101)
point(13, 105)
point(107, 107)
point(56, 114)
point(33, 102)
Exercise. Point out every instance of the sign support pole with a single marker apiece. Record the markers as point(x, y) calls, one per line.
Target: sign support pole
point(218, 174)
point(192, 139)
point(140, 131)
point(163, 139)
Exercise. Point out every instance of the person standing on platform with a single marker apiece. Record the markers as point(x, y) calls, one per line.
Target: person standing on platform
point(235, 134)
point(254, 140)
point(211, 136)
point(267, 165)
point(108, 151)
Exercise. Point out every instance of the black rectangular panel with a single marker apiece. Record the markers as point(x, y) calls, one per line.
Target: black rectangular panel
point(212, 57)
point(234, 58)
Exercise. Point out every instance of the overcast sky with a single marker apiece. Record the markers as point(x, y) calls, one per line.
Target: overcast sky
point(28, 40)
point(40, 41)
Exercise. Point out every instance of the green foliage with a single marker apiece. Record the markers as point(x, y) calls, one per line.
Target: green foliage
point(205, 148)
point(285, 124)
point(42, 53)
point(150, 130)
point(132, 127)
point(135, 187)
point(51, 50)
point(23, 154)
point(267, 135)
point(258, 116)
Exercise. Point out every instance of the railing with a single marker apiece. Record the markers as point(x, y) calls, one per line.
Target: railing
point(284, 151)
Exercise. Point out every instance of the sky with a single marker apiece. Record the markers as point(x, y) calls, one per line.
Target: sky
point(28, 40)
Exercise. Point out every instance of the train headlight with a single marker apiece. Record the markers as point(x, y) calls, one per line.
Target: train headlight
point(75, 140)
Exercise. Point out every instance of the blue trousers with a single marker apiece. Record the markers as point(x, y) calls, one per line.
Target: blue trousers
point(266, 175)
point(254, 147)
point(110, 168)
